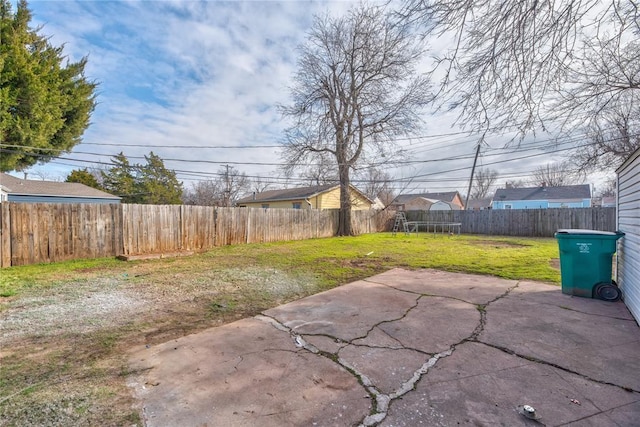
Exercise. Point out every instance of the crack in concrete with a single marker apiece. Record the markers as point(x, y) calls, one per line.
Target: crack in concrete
point(384, 400)
point(408, 291)
point(482, 309)
point(592, 314)
point(597, 413)
point(554, 365)
point(406, 313)
point(381, 401)
point(480, 328)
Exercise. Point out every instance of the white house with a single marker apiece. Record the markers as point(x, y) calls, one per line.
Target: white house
point(629, 222)
point(425, 204)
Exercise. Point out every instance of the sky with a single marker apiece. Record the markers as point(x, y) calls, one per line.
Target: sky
point(199, 84)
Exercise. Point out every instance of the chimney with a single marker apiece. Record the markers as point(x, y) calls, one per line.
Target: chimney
point(543, 185)
point(254, 195)
point(25, 175)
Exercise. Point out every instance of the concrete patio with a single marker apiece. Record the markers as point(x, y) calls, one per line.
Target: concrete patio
point(404, 348)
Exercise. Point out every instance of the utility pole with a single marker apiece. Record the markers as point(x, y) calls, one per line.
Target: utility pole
point(473, 171)
point(227, 191)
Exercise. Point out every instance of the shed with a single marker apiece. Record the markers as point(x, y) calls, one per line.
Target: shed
point(424, 204)
point(628, 221)
point(451, 198)
point(14, 189)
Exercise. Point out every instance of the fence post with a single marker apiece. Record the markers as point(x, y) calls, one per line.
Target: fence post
point(5, 235)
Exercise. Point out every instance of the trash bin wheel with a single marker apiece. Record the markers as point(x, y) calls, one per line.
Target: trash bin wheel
point(607, 292)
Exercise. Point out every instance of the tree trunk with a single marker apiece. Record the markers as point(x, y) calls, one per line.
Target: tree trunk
point(344, 215)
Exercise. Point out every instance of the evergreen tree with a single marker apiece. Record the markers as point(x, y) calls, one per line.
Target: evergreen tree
point(121, 181)
point(159, 185)
point(45, 105)
point(83, 176)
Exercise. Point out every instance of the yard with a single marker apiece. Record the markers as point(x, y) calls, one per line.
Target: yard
point(65, 328)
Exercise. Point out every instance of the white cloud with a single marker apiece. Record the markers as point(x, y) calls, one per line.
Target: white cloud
point(188, 73)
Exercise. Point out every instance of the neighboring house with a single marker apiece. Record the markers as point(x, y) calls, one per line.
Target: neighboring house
point(480, 204)
point(14, 189)
point(424, 204)
point(315, 197)
point(628, 221)
point(543, 197)
point(452, 198)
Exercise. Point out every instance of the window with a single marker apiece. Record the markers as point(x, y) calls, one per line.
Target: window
point(507, 206)
point(265, 206)
point(296, 205)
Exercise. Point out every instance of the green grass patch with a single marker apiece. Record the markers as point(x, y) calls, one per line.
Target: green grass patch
point(331, 261)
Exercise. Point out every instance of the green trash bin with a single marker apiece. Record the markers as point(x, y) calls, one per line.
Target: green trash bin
point(585, 263)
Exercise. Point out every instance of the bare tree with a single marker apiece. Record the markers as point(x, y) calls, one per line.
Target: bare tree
point(235, 184)
point(527, 63)
point(229, 186)
point(355, 89)
point(554, 175)
point(258, 185)
point(610, 145)
point(515, 184)
point(323, 172)
point(374, 183)
point(203, 193)
point(484, 179)
point(44, 175)
point(609, 188)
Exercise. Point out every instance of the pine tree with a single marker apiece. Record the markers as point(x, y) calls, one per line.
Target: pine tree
point(45, 105)
point(120, 180)
point(158, 184)
point(83, 176)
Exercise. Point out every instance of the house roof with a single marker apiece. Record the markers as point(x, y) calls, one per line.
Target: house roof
point(297, 193)
point(445, 197)
point(26, 187)
point(479, 203)
point(425, 199)
point(544, 193)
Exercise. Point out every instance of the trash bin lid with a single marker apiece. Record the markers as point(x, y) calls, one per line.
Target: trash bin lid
point(585, 231)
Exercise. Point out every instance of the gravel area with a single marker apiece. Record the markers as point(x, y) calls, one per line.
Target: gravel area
point(71, 308)
point(103, 303)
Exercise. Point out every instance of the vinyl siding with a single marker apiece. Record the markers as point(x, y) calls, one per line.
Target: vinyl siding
point(331, 200)
point(629, 223)
point(542, 204)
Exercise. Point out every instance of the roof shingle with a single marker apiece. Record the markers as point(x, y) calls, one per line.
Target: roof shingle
point(17, 186)
point(544, 193)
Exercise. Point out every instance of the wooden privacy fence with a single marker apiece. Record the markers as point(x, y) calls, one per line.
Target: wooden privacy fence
point(522, 222)
point(47, 232)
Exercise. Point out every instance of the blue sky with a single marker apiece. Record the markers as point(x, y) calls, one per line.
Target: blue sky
point(185, 78)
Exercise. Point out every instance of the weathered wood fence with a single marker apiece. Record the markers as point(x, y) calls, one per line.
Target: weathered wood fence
point(46, 232)
point(522, 222)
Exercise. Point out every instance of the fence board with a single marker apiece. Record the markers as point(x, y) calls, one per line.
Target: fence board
point(5, 235)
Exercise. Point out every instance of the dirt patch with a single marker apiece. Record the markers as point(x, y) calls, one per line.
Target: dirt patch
point(555, 263)
point(63, 346)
